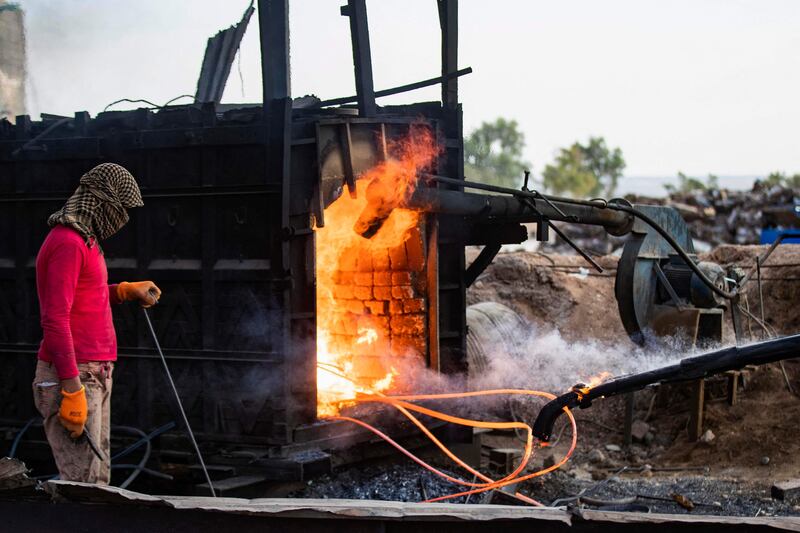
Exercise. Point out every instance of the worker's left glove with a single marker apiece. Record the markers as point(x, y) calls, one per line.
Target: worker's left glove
point(146, 292)
point(73, 411)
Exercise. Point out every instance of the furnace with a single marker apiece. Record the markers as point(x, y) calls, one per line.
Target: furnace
point(275, 309)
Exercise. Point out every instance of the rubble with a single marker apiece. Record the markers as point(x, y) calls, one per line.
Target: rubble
point(639, 430)
point(720, 216)
point(714, 216)
point(788, 491)
point(707, 437)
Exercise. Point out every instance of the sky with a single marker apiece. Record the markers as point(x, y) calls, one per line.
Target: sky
point(698, 86)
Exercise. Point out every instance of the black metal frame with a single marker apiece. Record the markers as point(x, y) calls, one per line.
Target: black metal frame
point(230, 196)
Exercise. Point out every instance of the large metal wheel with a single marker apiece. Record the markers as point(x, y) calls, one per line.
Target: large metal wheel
point(636, 282)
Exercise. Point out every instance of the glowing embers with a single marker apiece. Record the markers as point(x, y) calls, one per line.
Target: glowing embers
point(334, 386)
point(371, 283)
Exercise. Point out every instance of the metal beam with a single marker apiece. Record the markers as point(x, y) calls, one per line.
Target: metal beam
point(362, 57)
point(273, 23)
point(448, 21)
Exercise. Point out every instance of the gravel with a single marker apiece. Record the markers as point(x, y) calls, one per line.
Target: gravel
point(404, 481)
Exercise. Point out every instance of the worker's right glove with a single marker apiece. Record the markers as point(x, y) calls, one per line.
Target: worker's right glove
point(145, 291)
point(73, 411)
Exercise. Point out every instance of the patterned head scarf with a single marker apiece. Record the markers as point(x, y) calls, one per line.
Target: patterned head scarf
point(98, 208)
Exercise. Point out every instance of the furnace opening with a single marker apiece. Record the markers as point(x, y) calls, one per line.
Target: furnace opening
point(372, 294)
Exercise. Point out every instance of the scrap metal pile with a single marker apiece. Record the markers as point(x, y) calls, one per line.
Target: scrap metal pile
point(714, 216)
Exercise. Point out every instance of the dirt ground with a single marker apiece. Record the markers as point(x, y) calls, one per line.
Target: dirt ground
point(754, 440)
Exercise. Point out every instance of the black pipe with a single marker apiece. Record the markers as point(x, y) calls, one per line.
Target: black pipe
point(688, 369)
point(511, 208)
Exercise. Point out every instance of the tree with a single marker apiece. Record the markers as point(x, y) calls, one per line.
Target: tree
point(493, 153)
point(781, 179)
point(589, 169)
point(688, 184)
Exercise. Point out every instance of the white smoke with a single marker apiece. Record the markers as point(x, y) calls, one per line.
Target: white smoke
point(542, 359)
point(11, 96)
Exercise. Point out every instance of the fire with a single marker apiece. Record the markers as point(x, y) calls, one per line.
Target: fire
point(598, 379)
point(355, 346)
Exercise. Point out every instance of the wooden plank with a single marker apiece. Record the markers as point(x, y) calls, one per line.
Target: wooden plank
point(733, 386)
point(696, 411)
point(411, 512)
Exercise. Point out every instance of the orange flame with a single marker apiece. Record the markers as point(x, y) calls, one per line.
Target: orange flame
point(598, 379)
point(346, 329)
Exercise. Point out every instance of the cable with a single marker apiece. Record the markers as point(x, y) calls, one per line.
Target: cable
point(402, 404)
point(178, 98)
point(148, 102)
point(138, 100)
point(145, 456)
point(140, 467)
point(133, 447)
point(180, 405)
point(18, 438)
point(677, 247)
point(149, 471)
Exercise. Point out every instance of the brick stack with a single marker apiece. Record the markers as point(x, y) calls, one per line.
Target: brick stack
point(384, 290)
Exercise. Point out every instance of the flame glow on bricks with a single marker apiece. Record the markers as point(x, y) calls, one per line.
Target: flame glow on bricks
point(371, 291)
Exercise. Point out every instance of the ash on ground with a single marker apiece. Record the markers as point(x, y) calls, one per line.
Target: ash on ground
point(402, 481)
point(709, 495)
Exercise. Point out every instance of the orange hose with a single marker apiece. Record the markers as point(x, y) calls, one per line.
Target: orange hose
point(528, 476)
point(401, 403)
point(470, 423)
point(410, 455)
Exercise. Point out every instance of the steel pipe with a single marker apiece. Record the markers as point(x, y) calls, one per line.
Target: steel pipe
point(515, 209)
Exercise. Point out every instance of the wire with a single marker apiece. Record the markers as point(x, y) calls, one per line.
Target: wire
point(18, 438)
point(178, 98)
point(180, 404)
point(133, 447)
point(139, 100)
point(145, 456)
point(149, 471)
point(677, 247)
point(140, 467)
point(148, 102)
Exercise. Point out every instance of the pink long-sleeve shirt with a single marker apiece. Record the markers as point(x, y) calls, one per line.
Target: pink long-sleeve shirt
point(74, 302)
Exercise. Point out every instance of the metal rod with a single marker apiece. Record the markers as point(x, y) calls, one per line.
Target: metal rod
point(180, 404)
point(763, 259)
point(575, 247)
point(397, 90)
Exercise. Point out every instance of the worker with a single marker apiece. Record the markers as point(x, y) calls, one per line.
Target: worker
point(72, 386)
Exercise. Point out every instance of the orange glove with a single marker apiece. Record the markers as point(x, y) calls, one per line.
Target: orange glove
point(145, 291)
point(73, 411)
